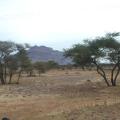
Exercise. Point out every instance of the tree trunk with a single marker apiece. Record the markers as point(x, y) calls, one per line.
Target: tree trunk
point(30, 74)
point(19, 75)
point(102, 73)
point(2, 80)
point(10, 78)
point(115, 79)
point(113, 75)
point(5, 73)
point(83, 68)
point(2, 74)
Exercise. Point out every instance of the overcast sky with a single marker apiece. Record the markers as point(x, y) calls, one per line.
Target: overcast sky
point(57, 23)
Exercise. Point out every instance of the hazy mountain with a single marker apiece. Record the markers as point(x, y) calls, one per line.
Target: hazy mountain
point(43, 53)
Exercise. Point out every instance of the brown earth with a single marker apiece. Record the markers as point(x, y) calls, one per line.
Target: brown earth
point(61, 95)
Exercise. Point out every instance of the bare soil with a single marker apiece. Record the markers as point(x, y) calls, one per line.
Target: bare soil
point(61, 95)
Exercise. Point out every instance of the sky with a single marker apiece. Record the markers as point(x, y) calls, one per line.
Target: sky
point(57, 23)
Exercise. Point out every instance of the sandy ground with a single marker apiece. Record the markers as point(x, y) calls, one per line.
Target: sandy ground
point(61, 95)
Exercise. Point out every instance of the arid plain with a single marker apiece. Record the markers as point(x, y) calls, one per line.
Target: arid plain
point(61, 95)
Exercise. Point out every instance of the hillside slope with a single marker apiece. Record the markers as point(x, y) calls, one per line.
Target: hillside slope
point(43, 53)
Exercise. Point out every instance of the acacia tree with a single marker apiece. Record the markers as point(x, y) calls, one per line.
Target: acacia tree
point(23, 59)
point(80, 55)
point(13, 57)
point(12, 66)
point(40, 67)
point(104, 49)
point(30, 69)
point(6, 49)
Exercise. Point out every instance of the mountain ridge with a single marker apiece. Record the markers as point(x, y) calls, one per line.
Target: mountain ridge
point(43, 53)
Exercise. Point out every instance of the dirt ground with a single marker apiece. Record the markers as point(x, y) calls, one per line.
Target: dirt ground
point(61, 95)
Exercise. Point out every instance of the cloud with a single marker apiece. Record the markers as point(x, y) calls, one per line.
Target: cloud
point(57, 20)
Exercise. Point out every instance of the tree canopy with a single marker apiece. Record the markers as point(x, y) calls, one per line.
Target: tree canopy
point(12, 58)
point(105, 49)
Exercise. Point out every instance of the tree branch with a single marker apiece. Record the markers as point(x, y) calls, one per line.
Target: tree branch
point(101, 72)
point(112, 74)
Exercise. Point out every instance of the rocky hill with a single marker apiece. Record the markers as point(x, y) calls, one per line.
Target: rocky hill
point(43, 53)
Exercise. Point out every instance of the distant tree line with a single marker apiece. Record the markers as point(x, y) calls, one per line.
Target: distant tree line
point(40, 67)
point(15, 61)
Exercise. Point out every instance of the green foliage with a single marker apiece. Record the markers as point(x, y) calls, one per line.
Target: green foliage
point(106, 47)
point(40, 67)
point(7, 48)
point(12, 64)
point(13, 57)
point(51, 65)
point(22, 58)
point(96, 51)
point(80, 54)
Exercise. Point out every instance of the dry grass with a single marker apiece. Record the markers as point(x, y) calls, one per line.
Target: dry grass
point(61, 95)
